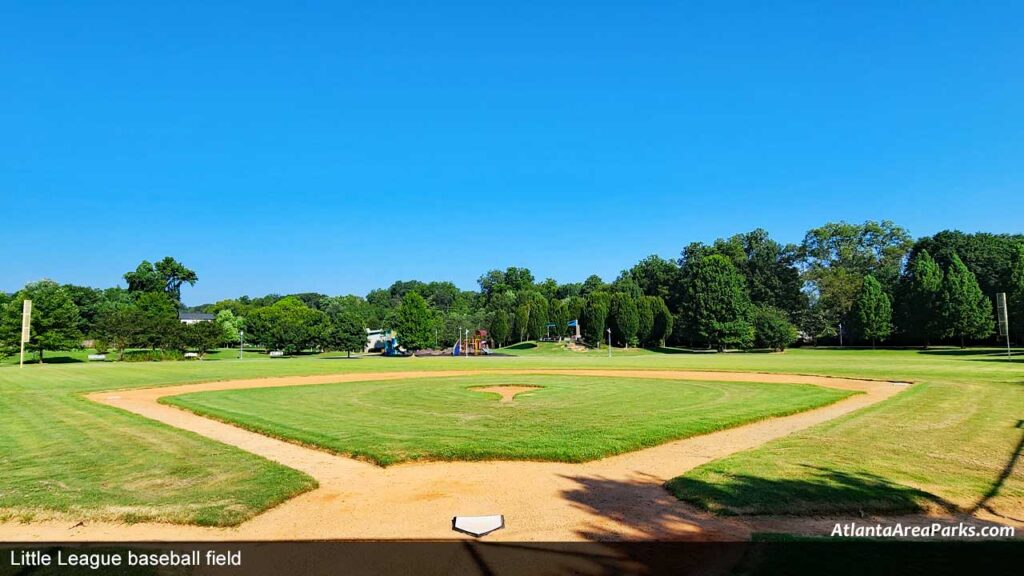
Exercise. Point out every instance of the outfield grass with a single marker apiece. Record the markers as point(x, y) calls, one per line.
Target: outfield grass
point(948, 440)
point(568, 419)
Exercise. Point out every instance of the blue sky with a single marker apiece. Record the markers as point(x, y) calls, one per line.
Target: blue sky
point(337, 147)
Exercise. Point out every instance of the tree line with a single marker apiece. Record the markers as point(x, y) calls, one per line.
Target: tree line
point(865, 284)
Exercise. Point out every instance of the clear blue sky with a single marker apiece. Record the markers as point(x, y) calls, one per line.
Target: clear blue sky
point(337, 147)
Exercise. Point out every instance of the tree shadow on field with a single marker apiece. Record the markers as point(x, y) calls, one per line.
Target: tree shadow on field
point(991, 352)
point(56, 360)
point(826, 491)
point(1004, 474)
point(521, 346)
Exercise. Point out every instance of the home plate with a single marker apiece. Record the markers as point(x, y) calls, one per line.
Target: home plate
point(478, 525)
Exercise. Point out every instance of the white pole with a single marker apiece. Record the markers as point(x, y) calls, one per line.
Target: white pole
point(241, 338)
point(609, 342)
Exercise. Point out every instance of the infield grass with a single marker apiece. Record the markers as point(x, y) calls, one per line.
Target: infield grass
point(568, 419)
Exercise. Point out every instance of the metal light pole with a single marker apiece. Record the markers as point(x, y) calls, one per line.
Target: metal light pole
point(241, 338)
point(609, 342)
point(840, 334)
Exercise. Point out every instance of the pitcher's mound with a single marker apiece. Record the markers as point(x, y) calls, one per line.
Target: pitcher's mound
point(508, 393)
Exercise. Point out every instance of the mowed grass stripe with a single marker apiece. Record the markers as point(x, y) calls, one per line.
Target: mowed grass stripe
point(935, 447)
point(569, 419)
point(93, 461)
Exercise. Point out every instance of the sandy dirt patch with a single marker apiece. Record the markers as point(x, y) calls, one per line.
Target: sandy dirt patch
point(616, 498)
point(507, 393)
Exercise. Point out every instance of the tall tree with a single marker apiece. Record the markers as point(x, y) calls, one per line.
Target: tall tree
point(645, 315)
point(769, 269)
point(966, 311)
point(414, 322)
point(55, 319)
point(624, 319)
point(499, 327)
point(1015, 296)
point(661, 328)
point(203, 337)
point(922, 286)
point(160, 325)
point(121, 326)
point(838, 255)
point(287, 325)
point(595, 317)
point(167, 276)
point(346, 333)
point(722, 304)
point(988, 256)
point(658, 277)
point(231, 326)
point(873, 311)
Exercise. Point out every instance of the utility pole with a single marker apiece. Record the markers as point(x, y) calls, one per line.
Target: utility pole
point(609, 342)
point(241, 339)
point(840, 334)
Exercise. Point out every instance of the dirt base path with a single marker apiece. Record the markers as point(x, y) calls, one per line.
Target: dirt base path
point(615, 498)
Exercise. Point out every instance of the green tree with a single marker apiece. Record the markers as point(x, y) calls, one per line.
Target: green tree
point(645, 326)
point(89, 302)
point(287, 325)
point(55, 319)
point(121, 325)
point(772, 328)
point(988, 256)
point(922, 286)
point(559, 316)
point(414, 322)
point(721, 304)
point(166, 276)
point(837, 256)
point(230, 325)
point(203, 337)
point(662, 322)
point(770, 271)
point(965, 311)
point(499, 328)
point(160, 327)
point(623, 319)
point(595, 317)
point(1015, 296)
point(873, 311)
point(347, 333)
point(658, 277)
point(538, 314)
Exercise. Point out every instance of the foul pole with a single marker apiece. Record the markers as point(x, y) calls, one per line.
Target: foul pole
point(1003, 320)
point(26, 329)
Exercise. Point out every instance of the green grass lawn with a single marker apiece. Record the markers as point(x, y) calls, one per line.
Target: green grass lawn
point(949, 440)
point(568, 419)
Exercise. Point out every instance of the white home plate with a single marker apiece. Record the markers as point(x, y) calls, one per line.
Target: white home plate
point(478, 525)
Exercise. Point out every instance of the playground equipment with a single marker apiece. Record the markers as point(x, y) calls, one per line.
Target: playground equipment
point(474, 345)
point(391, 347)
point(575, 331)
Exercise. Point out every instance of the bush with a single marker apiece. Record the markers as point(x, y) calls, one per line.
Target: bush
point(772, 328)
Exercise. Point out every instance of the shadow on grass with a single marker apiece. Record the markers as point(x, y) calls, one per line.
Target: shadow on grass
point(521, 346)
point(56, 360)
point(826, 491)
point(993, 352)
point(993, 491)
